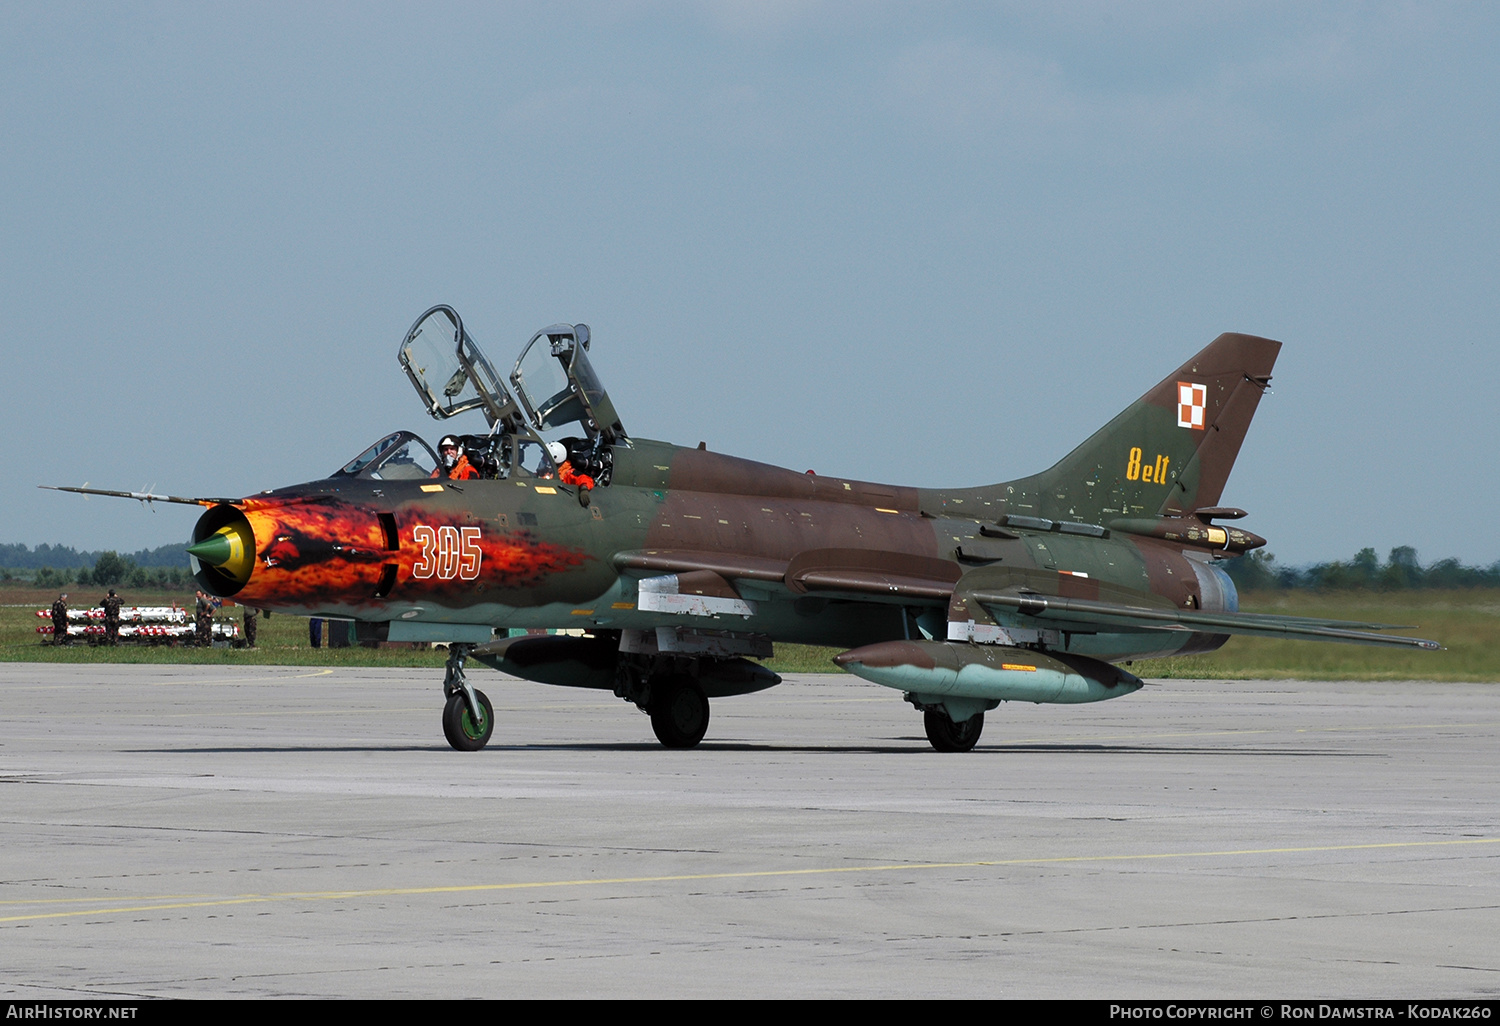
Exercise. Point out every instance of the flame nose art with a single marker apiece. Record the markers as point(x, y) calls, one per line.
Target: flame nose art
point(223, 550)
point(312, 551)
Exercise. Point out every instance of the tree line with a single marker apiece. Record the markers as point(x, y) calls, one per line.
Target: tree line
point(110, 570)
point(65, 557)
point(1259, 571)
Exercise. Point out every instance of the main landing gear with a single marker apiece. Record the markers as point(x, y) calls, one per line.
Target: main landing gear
point(468, 717)
point(947, 736)
point(953, 724)
point(679, 712)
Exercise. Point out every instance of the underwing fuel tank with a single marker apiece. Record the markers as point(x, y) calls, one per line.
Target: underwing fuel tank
point(987, 672)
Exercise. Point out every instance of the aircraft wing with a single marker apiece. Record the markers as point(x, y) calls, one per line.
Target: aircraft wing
point(861, 574)
point(1085, 614)
point(142, 496)
point(729, 565)
point(907, 580)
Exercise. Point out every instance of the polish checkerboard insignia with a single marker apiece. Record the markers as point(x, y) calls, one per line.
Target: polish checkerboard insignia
point(1192, 405)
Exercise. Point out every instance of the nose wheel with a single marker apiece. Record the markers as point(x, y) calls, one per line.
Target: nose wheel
point(460, 727)
point(468, 717)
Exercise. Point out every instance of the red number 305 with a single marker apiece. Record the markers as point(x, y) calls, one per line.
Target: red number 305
point(447, 552)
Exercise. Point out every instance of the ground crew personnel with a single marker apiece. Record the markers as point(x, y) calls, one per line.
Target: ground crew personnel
point(60, 620)
point(203, 621)
point(250, 612)
point(111, 604)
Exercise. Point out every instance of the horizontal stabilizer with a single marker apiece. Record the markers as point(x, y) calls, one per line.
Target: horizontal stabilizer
point(1072, 613)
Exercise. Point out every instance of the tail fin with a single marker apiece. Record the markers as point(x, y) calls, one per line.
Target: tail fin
point(1169, 452)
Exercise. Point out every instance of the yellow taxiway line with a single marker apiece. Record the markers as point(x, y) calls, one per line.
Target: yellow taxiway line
point(386, 892)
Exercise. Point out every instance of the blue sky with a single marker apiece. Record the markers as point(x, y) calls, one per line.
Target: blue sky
point(935, 244)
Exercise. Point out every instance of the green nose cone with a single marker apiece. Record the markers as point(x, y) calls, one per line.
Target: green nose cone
point(213, 550)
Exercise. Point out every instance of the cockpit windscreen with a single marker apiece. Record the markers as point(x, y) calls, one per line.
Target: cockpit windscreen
point(400, 456)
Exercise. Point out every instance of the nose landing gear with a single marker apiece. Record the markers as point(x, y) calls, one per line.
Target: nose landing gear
point(468, 716)
point(461, 729)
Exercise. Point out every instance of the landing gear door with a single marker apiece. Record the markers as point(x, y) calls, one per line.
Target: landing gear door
point(448, 370)
point(558, 386)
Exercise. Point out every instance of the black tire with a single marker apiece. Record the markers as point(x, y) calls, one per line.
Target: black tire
point(459, 727)
point(679, 716)
point(947, 736)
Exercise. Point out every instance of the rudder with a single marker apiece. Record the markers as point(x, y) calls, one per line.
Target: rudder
point(1169, 452)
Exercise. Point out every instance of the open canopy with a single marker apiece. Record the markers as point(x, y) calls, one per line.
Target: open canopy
point(552, 377)
point(558, 386)
point(555, 388)
point(449, 371)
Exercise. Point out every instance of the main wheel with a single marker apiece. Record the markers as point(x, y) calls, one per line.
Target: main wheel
point(947, 736)
point(680, 715)
point(459, 727)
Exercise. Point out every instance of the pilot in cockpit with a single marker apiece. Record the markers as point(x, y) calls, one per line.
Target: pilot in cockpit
point(455, 462)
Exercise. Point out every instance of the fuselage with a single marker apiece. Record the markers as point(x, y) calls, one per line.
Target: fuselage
point(813, 558)
point(670, 569)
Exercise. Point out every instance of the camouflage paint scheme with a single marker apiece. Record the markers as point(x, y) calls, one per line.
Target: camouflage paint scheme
point(681, 561)
point(829, 560)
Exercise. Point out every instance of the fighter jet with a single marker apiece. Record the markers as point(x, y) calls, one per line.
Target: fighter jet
point(667, 571)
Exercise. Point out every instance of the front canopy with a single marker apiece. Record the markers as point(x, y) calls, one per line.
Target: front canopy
point(449, 371)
